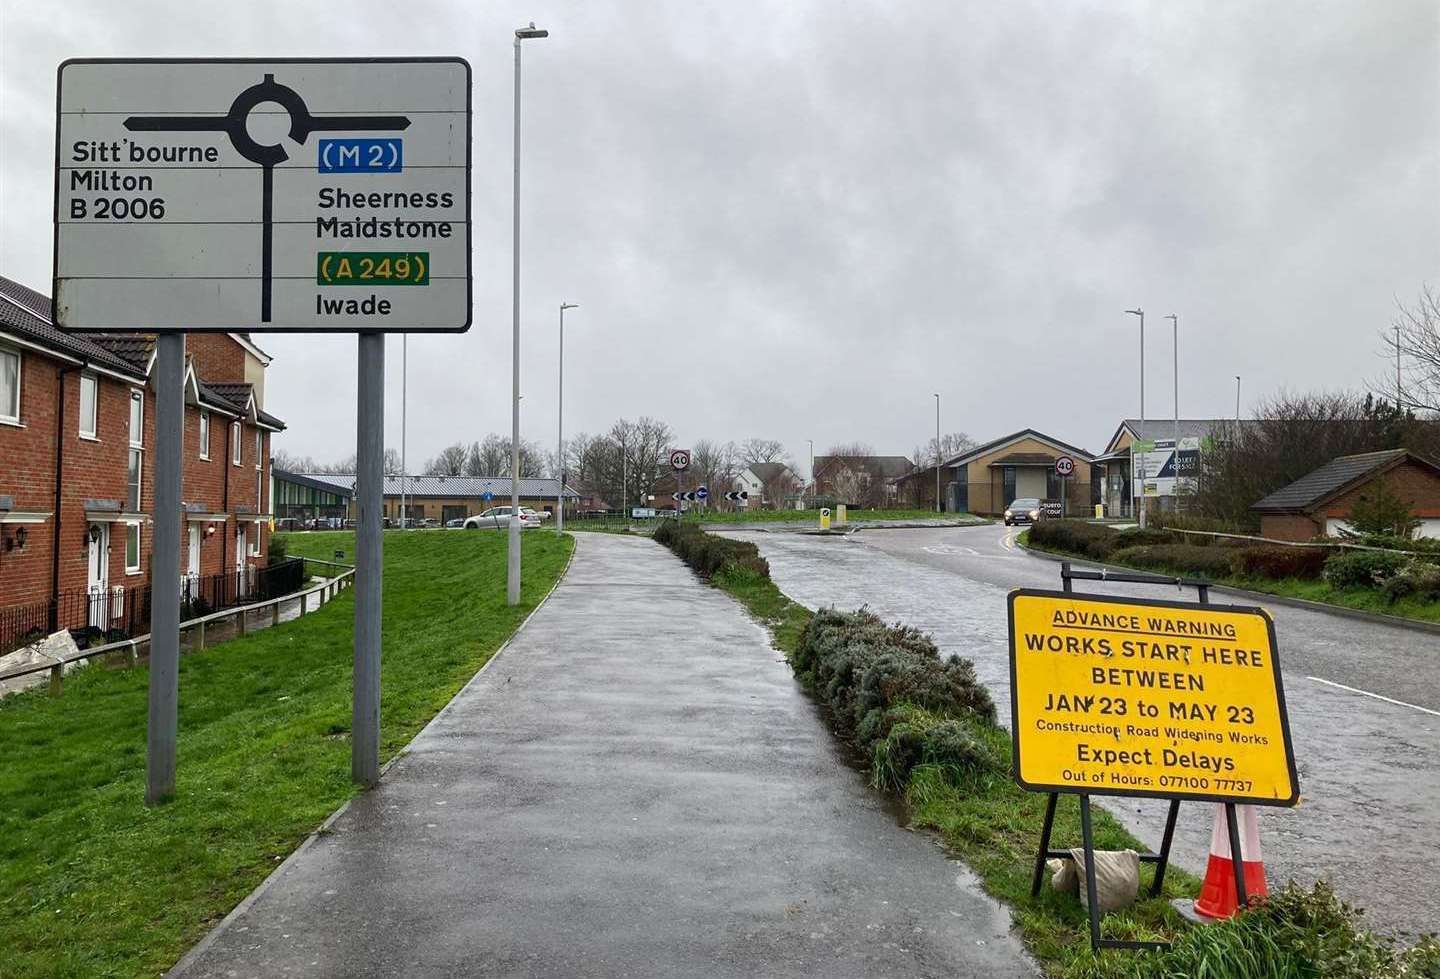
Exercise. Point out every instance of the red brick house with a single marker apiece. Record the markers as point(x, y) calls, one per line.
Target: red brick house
point(77, 425)
point(1318, 504)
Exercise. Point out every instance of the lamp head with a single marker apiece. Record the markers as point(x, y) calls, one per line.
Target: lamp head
point(569, 305)
point(525, 33)
point(1137, 311)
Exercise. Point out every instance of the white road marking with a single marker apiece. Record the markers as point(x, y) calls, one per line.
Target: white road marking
point(1367, 693)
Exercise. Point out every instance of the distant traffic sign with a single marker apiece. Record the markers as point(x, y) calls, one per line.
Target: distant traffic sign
point(736, 495)
point(680, 460)
point(702, 493)
point(190, 195)
point(1064, 466)
point(487, 496)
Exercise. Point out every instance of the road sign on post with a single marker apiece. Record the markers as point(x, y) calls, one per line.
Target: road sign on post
point(680, 459)
point(328, 195)
point(184, 200)
point(1064, 466)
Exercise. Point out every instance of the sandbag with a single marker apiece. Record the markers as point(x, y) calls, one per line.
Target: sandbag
point(1063, 877)
point(1117, 878)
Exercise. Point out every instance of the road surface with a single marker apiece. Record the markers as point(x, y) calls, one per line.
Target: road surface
point(636, 786)
point(1369, 766)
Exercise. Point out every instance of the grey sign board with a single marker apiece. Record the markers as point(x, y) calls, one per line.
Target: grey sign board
point(263, 195)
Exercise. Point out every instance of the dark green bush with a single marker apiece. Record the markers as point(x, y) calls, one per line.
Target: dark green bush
point(1094, 541)
point(1363, 569)
point(877, 679)
point(1191, 559)
point(707, 553)
point(276, 550)
point(1135, 537)
point(1419, 579)
point(1278, 561)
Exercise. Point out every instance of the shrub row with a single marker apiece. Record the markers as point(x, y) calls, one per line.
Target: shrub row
point(892, 695)
point(708, 553)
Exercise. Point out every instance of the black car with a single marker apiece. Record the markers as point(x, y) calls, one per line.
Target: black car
point(1022, 511)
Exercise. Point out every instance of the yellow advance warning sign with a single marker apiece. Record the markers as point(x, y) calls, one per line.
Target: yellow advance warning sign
point(1148, 698)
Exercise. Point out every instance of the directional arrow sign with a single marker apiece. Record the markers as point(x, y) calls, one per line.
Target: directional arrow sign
point(317, 195)
point(702, 493)
point(734, 495)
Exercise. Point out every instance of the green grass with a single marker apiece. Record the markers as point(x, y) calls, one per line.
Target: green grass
point(994, 825)
point(92, 883)
point(813, 516)
point(1361, 599)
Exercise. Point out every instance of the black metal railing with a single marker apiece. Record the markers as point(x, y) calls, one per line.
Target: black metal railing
point(109, 614)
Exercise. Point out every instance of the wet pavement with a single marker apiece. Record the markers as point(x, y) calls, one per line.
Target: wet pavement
point(1369, 768)
point(634, 787)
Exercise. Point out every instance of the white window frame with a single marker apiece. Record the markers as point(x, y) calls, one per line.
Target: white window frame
point(204, 434)
point(237, 433)
point(137, 440)
point(93, 381)
point(139, 455)
point(5, 415)
point(259, 489)
point(133, 527)
point(252, 543)
point(258, 451)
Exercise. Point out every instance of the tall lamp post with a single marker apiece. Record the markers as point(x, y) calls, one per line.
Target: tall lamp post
point(1138, 476)
point(937, 452)
point(512, 557)
point(560, 433)
point(1237, 405)
point(813, 488)
point(1175, 325)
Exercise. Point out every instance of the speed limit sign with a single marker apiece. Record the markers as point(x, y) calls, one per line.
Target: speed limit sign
point(1064, 466)
point(680, 459)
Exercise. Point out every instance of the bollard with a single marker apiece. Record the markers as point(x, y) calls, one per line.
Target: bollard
point(244, 626)
point(134, 654)
point(825, 518)
point(840, 515)
point(56, 672)
point(275, 614)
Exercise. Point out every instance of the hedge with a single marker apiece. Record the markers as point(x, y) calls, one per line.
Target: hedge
point(707, 553)
point(891, 694)
point(1196, 559)
point(1363, 569)
point(1279, 561)
point(1094, 541)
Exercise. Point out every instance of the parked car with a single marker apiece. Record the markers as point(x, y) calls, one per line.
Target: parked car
point(456, 522)
point(498, 517)
point(540, 515)
point(1020, 511)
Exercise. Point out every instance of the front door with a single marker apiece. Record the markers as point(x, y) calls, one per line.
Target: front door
point(191, 585)
point(98, 584)
point(241, 589)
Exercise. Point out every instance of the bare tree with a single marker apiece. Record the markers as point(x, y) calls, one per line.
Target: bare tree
point(847, 476)
point(752, 451)
point(490, 457)
point(646, 446)
point(1413, 346)
point(951, 445)
point(715, 465)
point(450, 461)
point(391, 462)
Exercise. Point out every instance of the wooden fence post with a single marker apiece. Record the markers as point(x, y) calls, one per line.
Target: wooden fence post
point(56, 672)
point(200, 636)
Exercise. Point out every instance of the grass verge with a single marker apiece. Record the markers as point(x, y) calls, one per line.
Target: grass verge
point(994, 826)
point(92, 883)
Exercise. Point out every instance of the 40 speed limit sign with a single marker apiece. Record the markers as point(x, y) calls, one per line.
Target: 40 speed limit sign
point(1140, 697)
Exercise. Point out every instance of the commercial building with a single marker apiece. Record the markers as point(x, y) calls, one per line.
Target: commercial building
point(77, 425)
point(437, 498)
point(1161, 474)
point(986, 478)
point(1319, 503)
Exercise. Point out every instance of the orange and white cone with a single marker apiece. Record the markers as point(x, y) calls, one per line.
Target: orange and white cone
point(1217, 894)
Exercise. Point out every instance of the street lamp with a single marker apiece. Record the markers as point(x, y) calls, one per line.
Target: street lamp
point(1175, 324)
point(1140, 435)
point(1237, 404)
point(937, 452)
point(512, 557)
point(560, 425)
point(813, 488)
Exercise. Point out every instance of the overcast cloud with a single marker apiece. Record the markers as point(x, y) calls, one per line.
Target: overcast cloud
point(798, 220)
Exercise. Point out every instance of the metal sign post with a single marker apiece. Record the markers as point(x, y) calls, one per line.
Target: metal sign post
point(1064, 466)
point(679, 462)
point(323, 195)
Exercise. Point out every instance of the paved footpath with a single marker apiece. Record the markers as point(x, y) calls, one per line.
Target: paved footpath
point(634, 787)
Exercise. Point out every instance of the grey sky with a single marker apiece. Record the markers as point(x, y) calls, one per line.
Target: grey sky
point(799, 220)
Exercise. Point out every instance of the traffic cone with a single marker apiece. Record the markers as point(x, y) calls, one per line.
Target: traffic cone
point(1217, 894)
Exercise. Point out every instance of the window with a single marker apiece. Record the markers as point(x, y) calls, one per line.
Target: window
point(253, 545)
point(235, 433)
point(89, 399)
point(258, 449)
point(10, 386)
point(132, 548)
point(204, 434)
point(1007, 482)
point(259, 491)
point(135, 462)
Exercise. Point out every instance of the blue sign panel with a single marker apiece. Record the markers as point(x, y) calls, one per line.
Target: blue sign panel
point(703, 493)
point(487, 496)
point(361, 155)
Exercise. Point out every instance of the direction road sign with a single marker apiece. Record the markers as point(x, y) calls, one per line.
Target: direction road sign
point(735, 495)
point(487, 496)
point(680, 460)
point(1064, 466)
point(702, 493)
point(327, 195)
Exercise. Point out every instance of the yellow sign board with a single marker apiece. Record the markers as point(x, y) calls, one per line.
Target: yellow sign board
point(1137, 697)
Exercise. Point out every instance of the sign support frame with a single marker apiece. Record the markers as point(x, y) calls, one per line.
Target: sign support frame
point(369, 558)
point(162, 716)
point(1161, 859)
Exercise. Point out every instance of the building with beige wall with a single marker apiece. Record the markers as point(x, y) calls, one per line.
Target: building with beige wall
point(444, 498)
point(986, 478)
